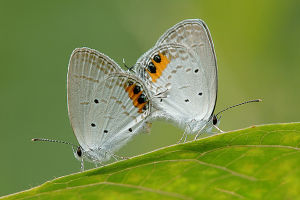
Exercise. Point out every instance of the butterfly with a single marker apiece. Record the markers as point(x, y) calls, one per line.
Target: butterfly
point(183, 66)
point(176, 80)
point(106, 105)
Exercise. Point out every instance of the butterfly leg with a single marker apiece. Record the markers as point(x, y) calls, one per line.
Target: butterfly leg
point(216, 125)
point(112, 155)
point(218, 129)
point(81, 165)
point(181, 139)
point(184, 135)
point(198, 133)
point(99, 163)
point(116, 157)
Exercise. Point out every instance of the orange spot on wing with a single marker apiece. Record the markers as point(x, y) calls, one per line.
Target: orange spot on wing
point(129, 90)
point(134, 97)
point(141, 106)
point(160, 67)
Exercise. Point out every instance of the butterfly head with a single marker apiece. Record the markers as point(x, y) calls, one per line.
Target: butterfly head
point(215, 119)
point(78, 152)
point(213, 122)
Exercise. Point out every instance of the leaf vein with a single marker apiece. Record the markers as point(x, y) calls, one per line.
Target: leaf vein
point(230, 192)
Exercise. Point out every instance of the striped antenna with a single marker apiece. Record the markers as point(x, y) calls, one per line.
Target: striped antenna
point(251, 101)
point(49, 140)
point(128, 68)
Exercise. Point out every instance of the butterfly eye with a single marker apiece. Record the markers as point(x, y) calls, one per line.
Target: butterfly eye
point(79, 152)
point(136, 89)
point(142, 99)
point(151, 68)
point(215, 120)
point(157, 58)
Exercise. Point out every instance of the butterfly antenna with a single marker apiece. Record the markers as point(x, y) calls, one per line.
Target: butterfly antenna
point(129, 68)
point(251, 101)
point(49, 140)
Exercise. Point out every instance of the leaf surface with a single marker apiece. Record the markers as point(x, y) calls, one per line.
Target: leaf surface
point(260, 162)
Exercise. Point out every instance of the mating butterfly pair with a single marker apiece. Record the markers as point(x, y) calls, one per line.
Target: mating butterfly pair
point(176, 79)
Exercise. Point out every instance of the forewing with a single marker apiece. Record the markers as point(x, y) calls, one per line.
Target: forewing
point(181, 76)
point(189, 75)
point(118, 108)
point(87, 69)
point(195, 36)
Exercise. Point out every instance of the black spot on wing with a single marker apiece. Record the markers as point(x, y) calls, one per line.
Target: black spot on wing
point(151, 68)
point(136, 89)
point(157, 58)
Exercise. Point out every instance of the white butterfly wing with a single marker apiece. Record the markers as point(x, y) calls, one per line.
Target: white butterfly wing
point(187, 71)
point(117, 111)
point(180, 77)
point(195, 35)
point(104, 111)
point(87, 68)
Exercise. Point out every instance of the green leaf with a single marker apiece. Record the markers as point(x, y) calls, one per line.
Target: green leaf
point(255, 163)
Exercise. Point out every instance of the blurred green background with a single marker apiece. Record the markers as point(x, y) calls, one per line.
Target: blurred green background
point(257, 45)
